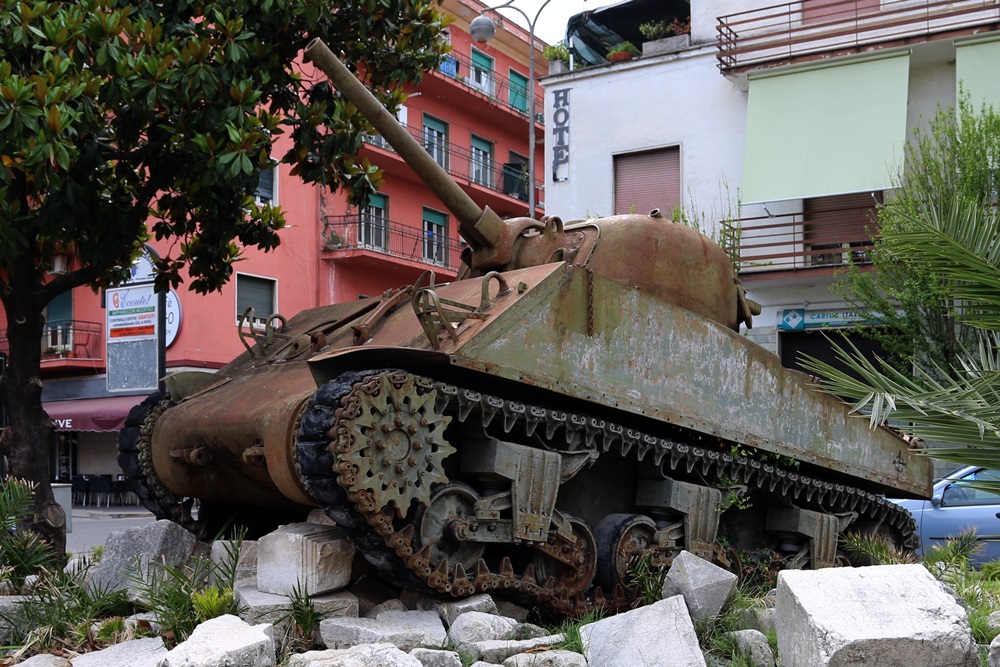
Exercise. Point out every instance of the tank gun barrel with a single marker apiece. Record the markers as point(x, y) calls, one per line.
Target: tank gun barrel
point(482, 229)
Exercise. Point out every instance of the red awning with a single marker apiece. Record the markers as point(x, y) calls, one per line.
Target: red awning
point(91, 414)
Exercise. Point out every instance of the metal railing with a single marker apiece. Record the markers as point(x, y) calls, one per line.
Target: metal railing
point(509, 178)
point(794, 241)
point(65, 339)
point(388, 237)
point(798, 30)
point(496, 87)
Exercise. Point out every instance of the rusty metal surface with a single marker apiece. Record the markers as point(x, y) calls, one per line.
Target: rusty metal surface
point(241, 430)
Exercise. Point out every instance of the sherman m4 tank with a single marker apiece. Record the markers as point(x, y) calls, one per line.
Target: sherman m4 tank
point(578, 398)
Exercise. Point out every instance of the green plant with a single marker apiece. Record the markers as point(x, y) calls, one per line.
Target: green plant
point(760, 569)
point(169, 592)
point(212, 602)
point(715, 634)
point(556, 53)
point(875, 550)
point(653, 30)
point(624, 47)
point(22, 552)
point(570, 629)
point(645, 578)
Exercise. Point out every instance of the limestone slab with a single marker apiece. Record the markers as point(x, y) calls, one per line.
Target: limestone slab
point(659, 635)
point(498, 650)
point(311, 557)
point(135, 653)
point(477, 626)
point(705, 586)
point(404, 629)
point(430, 657)
point(546, 659)
point(366, 655)
point(451, 610)
point(224, 641)
point(882, 615)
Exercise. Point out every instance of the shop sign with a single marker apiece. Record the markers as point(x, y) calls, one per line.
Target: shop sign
point(799, 319)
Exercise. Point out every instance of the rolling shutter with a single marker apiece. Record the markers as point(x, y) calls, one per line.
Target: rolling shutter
point(648, 180)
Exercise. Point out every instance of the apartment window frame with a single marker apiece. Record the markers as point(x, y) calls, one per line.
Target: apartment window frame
point(435, 230)
point(481, 72)
point(518, 91)
point(246, 283)
point(373, 223)
point(435, 133)
point(266, 192)
point(481, 161)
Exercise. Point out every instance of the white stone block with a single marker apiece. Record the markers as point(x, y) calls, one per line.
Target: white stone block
point(882, 615)
point(497, 650)
point(45, 660)
point(546, 659)
point(451, 610)
point(660, 635)
point(430, 657)
point(315, 558)
point(394, 604)
point(246, 560)
point(223, 642)
point(367, 655)
point(754, 644)
point(135, 653)
point(405, 629)
point(706, 587)
point(476, 626)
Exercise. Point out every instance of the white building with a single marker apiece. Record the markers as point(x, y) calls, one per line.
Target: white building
point(790, 118)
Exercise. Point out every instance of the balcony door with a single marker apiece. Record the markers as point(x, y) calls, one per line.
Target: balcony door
point(481, 77)
point(481, 167)
point(436, 140)
point(57, 337)
point(836, 229)
point(435, 236)
point(373, 227)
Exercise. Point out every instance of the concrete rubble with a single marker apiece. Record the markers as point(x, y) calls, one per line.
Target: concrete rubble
point(881, 615)
point(888, 615)
point(704, 586)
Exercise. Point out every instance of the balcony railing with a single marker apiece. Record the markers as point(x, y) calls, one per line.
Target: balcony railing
point(795, 242)
point(495, 86)
point(65, 339)
point(510, 178)
point(388, 237)
point(800, 30)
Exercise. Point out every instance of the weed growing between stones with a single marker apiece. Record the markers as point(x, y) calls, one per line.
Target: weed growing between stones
point(22, 552)
point(715, 634)
point(645, 578)
point(301, 622)
point(570, 628)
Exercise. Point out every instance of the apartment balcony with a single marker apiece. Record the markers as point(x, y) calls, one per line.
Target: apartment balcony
point(382, 243)
point(808, 30)
point(491, 86)
point(487, 181)
point(67, 346)
point(802, 244)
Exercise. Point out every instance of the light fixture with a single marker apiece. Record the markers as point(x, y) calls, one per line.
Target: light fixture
point(482, 29)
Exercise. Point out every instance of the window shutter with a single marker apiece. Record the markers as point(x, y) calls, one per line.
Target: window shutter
point(435, 217)
point(834, 221)
point(256, 293)
point(648, 180)
point(265, 185)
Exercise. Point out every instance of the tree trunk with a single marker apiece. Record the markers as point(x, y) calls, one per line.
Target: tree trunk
point(28, 435)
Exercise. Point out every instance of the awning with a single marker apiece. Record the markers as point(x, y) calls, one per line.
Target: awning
point(976, 70)
point(825, 130)
point(91, 414)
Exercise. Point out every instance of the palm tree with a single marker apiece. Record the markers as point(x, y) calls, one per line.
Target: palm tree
point(955, 238)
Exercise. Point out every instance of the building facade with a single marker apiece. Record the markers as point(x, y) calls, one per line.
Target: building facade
point(786, 122)
point(473, 115)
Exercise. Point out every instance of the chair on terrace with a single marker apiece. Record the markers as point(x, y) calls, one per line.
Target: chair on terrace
point(81, 490)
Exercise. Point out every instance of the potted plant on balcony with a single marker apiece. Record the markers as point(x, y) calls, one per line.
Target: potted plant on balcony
point(558, 57)
point(622, 51)
point(663, 37)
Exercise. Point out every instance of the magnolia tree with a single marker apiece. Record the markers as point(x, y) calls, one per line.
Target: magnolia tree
point(124, 121)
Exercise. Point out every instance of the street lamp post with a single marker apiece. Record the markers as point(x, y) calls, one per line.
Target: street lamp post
point(482, 30)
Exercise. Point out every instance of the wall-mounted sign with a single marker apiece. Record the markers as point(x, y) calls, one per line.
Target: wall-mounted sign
point(173, 318)
point(799, 319)
point(560, 135)
point(131, 313)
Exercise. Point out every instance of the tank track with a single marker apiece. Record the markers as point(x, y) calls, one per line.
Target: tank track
point(136, 461)
point(329, 473)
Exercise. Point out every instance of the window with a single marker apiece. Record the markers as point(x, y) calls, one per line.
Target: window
point(435, 236)
point(57, 336)
point(835, 229)
point(256, 293)
point(436, 140)
point(515, 177)
point(648, 180)
point(481, 169)
point(266, 186)
point(518, 95)
point(481, 77)
point(373, 227)
point(964, 492)
point(379, 140)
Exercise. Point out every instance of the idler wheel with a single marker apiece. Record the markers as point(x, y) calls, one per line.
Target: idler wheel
point(620, 538)
point(577, 575)
point(451, 502)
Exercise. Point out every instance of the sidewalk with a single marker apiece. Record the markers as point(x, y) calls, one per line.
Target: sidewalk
point(113, 512)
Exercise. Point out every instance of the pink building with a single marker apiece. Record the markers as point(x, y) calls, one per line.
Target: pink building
point(472, 115)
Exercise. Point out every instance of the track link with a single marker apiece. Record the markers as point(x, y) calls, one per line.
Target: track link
point(326, 447)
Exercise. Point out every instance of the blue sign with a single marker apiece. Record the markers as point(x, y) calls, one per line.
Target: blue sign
point(792, 319)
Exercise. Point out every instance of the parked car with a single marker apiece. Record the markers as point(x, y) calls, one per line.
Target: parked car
point(956, 506)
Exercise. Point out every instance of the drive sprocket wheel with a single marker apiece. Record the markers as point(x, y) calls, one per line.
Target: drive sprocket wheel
point(391, 444)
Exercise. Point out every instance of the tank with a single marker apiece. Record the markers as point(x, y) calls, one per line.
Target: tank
point(578, 399)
